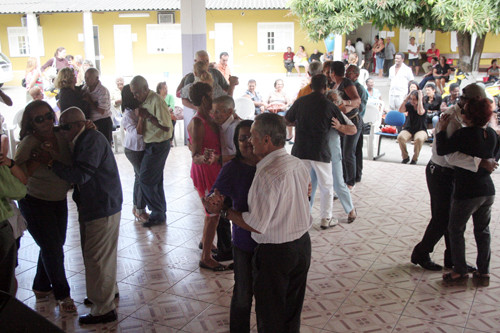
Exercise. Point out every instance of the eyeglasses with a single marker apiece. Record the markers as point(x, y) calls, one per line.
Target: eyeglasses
point(244, 138)
point(68, 126)
point(42, 118)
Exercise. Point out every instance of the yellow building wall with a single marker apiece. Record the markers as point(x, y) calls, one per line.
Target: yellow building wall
point(246, 58)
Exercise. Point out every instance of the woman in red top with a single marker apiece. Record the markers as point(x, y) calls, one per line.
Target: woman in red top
point(204, 144)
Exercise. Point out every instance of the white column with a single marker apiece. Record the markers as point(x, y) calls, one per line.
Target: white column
point(88, 37)
point(194, 38)
point(339, 48)
point(32, 26)
point(193, 30)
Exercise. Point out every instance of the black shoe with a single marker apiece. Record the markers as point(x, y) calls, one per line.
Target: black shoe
point(426, 263)
point(413, 162)
point(224, 256)
point(448, 263)
point(89, 319)
point(151, 223)
point(406, 160)
point(86, 301)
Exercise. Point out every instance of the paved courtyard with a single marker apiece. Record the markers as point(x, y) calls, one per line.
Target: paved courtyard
point(360, 278)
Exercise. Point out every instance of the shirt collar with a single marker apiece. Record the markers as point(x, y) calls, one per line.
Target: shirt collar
point(269, 158)
point(228, 122)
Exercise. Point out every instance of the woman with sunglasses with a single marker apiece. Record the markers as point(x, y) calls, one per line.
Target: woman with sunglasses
point(44, 207)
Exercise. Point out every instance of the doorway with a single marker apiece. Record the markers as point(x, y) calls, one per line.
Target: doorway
point(224, 41)
point(124, 62)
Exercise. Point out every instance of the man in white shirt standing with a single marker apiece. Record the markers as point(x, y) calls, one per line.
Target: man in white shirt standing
point(360, 50)
point(100, 112)
point(413, 55)
point(400, 75)
point(279, 220)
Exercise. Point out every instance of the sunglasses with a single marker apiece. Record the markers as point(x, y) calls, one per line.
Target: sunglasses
point(68, 126)
point(42, 118)
point(244, 138)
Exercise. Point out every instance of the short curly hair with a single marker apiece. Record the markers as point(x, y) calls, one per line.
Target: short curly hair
point(198, 91)
point(478, 111)
point(65, 78)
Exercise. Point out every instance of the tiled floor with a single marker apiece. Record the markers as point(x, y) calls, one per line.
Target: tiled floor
point(360, 279)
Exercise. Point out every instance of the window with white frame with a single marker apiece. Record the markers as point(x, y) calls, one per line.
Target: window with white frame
point(19, 44)
point(275, 36)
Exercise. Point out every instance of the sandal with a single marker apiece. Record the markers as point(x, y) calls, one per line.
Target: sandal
point(218, 268)
point(42, 294)
point(67, 305)
point(448, 277)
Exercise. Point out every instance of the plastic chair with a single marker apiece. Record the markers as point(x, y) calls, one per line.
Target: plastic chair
point(372, 117)
point(393, 118)
point(245, 108)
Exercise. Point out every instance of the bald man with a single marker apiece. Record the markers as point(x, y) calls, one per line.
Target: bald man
point(100, 108)
point(36, 93)
point(98, 195)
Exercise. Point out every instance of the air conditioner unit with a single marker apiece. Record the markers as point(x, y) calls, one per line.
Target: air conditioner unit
point(166, 18)
point(24, 22)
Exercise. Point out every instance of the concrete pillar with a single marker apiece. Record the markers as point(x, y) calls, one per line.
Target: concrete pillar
point(32, 26)
point(193, 30)
point(339, 48)
point(88, 37)
point(194, 38)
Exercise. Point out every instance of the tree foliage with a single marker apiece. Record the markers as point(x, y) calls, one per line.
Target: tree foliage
point(321, 17)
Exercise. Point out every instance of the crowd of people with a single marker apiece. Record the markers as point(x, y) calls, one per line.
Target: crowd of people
point(241, 172)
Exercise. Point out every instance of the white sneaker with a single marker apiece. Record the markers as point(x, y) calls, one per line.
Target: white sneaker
point(328, 222)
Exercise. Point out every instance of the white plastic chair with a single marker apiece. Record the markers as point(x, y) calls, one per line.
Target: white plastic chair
point(245, 108)
point(373, 116)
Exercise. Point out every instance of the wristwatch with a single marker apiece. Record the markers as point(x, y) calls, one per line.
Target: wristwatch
point(223, 213)
point(12, 163)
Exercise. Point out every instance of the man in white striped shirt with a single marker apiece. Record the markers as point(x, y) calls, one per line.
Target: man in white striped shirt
point(279, 219)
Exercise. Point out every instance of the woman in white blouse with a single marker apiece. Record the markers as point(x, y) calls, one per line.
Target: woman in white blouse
point(134, 149)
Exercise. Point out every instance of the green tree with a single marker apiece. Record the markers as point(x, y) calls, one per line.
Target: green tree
point(468, 17)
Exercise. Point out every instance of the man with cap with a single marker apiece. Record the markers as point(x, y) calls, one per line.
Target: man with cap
point(439, 175)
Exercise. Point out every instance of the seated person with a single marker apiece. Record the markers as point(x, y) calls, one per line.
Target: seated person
point(493, 71)
point(301, 59)
point(452, 98)
point(315, 56)
point(415, 127)
point(327, 57)
point(428, 75)
point(441, 73)
point(288, 60)
point(432, 53)
point(278, 102)
point(256, 98)
point(432, 104)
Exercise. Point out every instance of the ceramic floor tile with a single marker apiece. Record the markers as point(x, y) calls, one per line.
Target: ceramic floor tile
point(352, 318)
point(133, 297)
point(133, 325)
point(202, 288)
point(441, 309)
point(170, 310)
point(213, 319)
point(376, 297)
point(415, 325)
point(156, 277)
point(321, 286)
point(316, 312)
point(484, 317)
point(400, 276)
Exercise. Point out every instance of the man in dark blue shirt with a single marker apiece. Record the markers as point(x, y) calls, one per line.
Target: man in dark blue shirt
point(98, 195)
